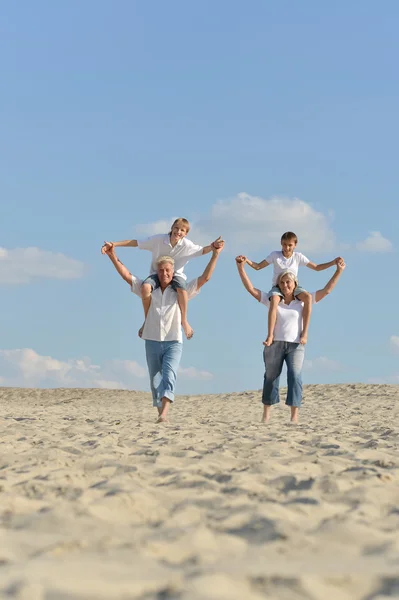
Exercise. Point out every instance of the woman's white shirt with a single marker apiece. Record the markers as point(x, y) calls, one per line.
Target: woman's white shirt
point(289, 319)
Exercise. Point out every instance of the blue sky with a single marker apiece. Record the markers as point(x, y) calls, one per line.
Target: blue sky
point(247, 118)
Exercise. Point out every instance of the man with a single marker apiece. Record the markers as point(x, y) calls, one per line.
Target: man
point(162, 329)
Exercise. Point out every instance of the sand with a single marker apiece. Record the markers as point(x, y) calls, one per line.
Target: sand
point(98, 502)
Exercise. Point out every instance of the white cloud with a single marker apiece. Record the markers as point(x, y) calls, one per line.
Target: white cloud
point(21, 265)
point(252, 223)
point(394, 339)
point(321, 363)
point(193, 373)
point(24, 367)
point(375, 243)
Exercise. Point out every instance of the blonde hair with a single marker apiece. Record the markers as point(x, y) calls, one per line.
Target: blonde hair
point(289, 274)
point(183, 221)
point(165, 259)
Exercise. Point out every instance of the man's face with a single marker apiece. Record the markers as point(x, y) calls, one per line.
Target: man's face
point(288, 247)
point(165, 273)
point(179, 231)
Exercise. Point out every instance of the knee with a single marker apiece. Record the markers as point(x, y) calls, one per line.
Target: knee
point(306, 298)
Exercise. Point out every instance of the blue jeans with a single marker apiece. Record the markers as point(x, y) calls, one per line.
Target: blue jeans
point(275, 291)
point(163, 359)
point(274, 357)
point(178, 282)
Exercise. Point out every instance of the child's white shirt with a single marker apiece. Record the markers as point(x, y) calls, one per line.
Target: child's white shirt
point(280, 263)
point(159, 245)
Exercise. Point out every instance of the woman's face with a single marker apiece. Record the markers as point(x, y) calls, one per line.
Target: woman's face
point(286, 285)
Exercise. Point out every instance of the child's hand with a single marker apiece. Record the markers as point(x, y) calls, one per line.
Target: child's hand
point(107, 248)
point(338, 260)
point(241, 260)
point(341, 265)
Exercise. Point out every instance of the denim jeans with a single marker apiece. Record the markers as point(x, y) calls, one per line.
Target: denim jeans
point(274, 357)
point(163, 359)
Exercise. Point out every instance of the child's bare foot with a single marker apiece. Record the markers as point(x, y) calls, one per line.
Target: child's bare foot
point(303, 338)
point(268, 341)
point(187, 330)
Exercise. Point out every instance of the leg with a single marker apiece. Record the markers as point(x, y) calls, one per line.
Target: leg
point(182, 299)
point(307, 300)
point(170, 364)
point(153, 351)
point(274, 357)
point(294, 358)
point(147, 287)
point(271, 318)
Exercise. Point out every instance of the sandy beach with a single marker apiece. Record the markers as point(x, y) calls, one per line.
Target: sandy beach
point(98, 502)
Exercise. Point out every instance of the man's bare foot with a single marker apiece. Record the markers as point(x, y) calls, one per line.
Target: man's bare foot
point(294, 414)
point(266, 413)
point(268, 341)
point(187, 330)
point(303, 338)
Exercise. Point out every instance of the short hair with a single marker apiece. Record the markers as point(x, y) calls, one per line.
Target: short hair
point(165, 259)
point(183, 221)
point(287, 273)
point(289, 235)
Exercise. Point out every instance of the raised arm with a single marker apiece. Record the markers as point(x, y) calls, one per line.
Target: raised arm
point(323, 266)
point(257, 266)
point(210, 267)
point(330, 285)
point(130, 243)
point(119, 266)
point(240, 261)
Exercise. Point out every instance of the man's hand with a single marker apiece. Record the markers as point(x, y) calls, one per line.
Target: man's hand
point(338, 260)
point(107, 248)
point(217, 249)
point(241, 260)
point(218, 243)
point(340, 264)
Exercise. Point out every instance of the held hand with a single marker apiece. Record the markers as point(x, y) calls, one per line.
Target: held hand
point(341, 265)
point(217, 249)
point(241, 260)
point(218, 243)
point(338, 260)
point(107, 248)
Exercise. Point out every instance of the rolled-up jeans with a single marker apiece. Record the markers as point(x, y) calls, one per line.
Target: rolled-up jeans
point(274, 356)
point(163, 359)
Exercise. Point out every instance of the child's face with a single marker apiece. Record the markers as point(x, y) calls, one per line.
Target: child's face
point(178, 232)
point(288, 247)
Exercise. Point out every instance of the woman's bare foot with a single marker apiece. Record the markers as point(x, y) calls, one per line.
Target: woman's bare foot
point(162, 420)
point(187, 330)
point(268, 341)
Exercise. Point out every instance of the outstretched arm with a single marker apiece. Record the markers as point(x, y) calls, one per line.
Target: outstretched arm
point(119, 266)
point(210, 267)
point(323, 266)
point(257, 266)
point(330, 285)
point(131, 243)
point(241, 260)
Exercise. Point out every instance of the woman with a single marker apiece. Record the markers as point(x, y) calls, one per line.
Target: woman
point(286, 345)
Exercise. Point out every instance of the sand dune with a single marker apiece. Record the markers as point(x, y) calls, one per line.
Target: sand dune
point(97, 502)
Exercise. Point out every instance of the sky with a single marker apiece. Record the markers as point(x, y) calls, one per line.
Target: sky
point(249, 119)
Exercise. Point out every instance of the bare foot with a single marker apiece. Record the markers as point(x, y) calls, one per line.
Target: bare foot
point(187, 330)
point(268, 341)
point(294, 414)
point(266, 413)
point(162, 420)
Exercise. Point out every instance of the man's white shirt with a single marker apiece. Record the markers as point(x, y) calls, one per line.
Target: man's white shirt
point(289, 319)
point(163, 322)
point(181, 253)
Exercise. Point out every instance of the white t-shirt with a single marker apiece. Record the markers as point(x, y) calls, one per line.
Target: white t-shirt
point(280, 263)
point(160, 245)
point(289, 319)
point(163, 322)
